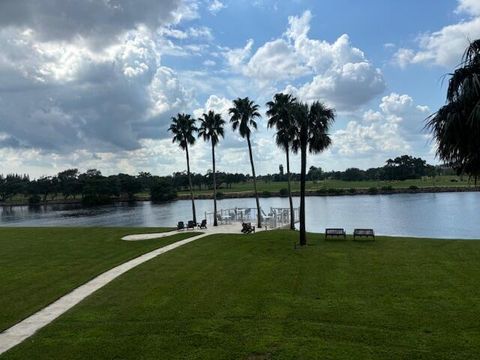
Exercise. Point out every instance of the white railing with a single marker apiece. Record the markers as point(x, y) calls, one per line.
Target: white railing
point(275, 218)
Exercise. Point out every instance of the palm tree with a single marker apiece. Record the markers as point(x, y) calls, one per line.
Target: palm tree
point(456, 125)
point(312, 125)
point(183, 129)
point(243, 115)
point(280, 113)
point(211, 129)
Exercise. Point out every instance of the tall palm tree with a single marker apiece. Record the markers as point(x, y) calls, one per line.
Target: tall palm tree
point(312, 125)
point(211, 129)
point(456, 125)
point(281, 117)
point(183, 129)
point(243, 115)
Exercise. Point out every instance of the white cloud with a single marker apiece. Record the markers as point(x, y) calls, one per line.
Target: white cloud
point(215, 6)
point(471, 7)
point(342, 75)
point(236, 57)
point(79, 98)
point(446, 46)
point(393, 129)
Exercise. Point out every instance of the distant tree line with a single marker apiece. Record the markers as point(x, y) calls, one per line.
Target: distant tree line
point(94, 188)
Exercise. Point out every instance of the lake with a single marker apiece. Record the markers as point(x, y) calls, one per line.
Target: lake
point(439, 215)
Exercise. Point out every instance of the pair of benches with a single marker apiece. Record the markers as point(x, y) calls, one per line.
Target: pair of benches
point(340, 232)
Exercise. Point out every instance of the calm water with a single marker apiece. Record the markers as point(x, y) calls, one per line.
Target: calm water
point(446, 215)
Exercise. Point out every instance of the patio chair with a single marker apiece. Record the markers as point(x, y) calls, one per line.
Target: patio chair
point(180, 226)
point(203, 225)
point(191, 224)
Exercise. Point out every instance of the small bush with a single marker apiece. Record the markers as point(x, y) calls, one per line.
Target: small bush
point(266, 194)
point(352, 191)
point(96, 200)
point(413, 187)
point(220, 195)
point(283, 192)
point(321, 191)
point(373, 190)
point(387, 188)
point(453, 180)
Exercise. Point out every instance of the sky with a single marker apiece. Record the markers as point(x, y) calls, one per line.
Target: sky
point(94, 84)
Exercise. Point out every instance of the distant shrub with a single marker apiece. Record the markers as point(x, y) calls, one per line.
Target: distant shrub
point(352, 191)
point(373, 190)
point(283, 192)
point(266, 194)
point(413, 187)
point(220, 195)
point(162, 190)
point(334, 191)
point(96, 200)
point(322, 191)
point(453, 180)
point(34, 200)
point(387, 188)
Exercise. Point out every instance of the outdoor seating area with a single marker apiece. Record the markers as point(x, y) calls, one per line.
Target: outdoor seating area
point(191, 225)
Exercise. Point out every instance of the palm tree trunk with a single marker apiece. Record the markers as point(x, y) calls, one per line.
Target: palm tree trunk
point(303, 171)
point(215, 222)
point(191, 187)
point(259, 214)
point(292, 214)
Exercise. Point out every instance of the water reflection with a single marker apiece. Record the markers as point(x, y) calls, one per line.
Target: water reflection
point(444, 215)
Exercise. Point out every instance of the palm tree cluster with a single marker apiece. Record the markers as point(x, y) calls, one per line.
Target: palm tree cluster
point(456, 125)
point(300, 128)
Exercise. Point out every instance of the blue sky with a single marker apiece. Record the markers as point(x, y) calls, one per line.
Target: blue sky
point(94, 84)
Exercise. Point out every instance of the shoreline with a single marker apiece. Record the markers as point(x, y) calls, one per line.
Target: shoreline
point(250, 194)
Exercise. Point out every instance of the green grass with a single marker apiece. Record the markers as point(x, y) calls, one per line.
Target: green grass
point(39, 265)
point(255, 297)
point(441, 181)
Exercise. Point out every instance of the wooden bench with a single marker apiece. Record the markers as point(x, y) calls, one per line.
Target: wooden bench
point(335, 232)
point(363, 233)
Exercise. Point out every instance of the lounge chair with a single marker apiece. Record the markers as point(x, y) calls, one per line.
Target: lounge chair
point(247, 228)
point(180, 226)
point(191, 224)
point(203, 225)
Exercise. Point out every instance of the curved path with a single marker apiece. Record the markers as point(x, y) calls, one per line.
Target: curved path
point(27, 327)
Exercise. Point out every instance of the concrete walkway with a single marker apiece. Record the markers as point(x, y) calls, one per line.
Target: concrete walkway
point(221, 229)
point(26, 328)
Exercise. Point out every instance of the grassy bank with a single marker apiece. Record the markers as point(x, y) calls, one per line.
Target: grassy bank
point(39, 265)
point(325, 185)
point(255, 297)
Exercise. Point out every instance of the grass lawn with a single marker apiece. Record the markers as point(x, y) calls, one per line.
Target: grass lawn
point(440, 181)
point(39, 265)
point(255, 297)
